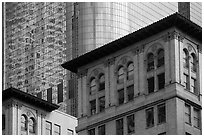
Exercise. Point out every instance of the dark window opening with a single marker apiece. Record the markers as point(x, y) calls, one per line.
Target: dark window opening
point(150, 117)
point(150, 85)
point(101, 104)
point(3, 121)
point(121, 96)
point(130, 73)
point(93, 106)
point(101, 130)
point(186, 81)
point(91, 131)
point(101, 82)
point(161, 81)
point(196, 118)
point(188, 114)
point(161, 113)
point(150, 61)
point(130, 92)
point(119, 127)
point(131, 124)
point(160, 61)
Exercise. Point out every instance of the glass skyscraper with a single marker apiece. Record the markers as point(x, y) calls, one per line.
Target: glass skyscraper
point(40, 36)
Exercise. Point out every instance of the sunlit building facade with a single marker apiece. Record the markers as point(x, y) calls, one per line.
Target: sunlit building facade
point(146, 83)
point(41, 36)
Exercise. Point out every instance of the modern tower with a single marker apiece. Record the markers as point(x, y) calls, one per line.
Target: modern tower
point(41, 36)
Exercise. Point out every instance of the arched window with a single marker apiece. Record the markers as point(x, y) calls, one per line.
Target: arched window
point(150, 61)
point(160, 58)
point(32, 125)
point(101, 82)
point(185, 58)
point(193, 62)
point(24, 122)
point(92, 85)
point(130, 73)
point(120, 74)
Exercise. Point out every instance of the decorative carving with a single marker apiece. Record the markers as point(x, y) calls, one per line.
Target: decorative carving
point(108, 62)
point(111, 61)
point(173, 35)
point(96, 72)
point(154, 48)
point(189, 47)
point(124, 60)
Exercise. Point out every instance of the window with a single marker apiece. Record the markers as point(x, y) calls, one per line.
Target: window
point(119, 126)
point(193, 85)
point(131, 124)
point(161, 81)
point(32, 125)
point(3, 121)
point(23, 123)
point(150, 61)
point(130, 73)
point(193, 62)
point(121, 96)
point(185, 58)
point(196, 118)
point(91, 131)
point(93, 106)
point(70, 132)
point(130, 92)
point(93, 85)
point(101, 104)
point(188, 114)
point(120, 74)
point(102, 82)
point(150, 117)
point(160, 59)
point(101, 130)
point(161, 109)
point(150, 82)
point(48, 128)
point(56, 129)
point(186, 81)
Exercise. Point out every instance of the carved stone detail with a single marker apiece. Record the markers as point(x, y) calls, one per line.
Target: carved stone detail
point(173, 35)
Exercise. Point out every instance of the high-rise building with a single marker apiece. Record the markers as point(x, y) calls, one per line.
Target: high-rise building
point(40, 36)
point(147, 82)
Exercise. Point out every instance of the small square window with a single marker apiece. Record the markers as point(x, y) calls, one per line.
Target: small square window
point(91, 131)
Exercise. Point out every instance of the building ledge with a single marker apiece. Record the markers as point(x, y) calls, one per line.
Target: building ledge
point(28, 98)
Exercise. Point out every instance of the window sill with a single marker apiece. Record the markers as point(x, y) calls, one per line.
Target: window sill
point(188, 123)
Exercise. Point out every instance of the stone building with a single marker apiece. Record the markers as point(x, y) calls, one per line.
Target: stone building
point(147, 82)
point(25, 114)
